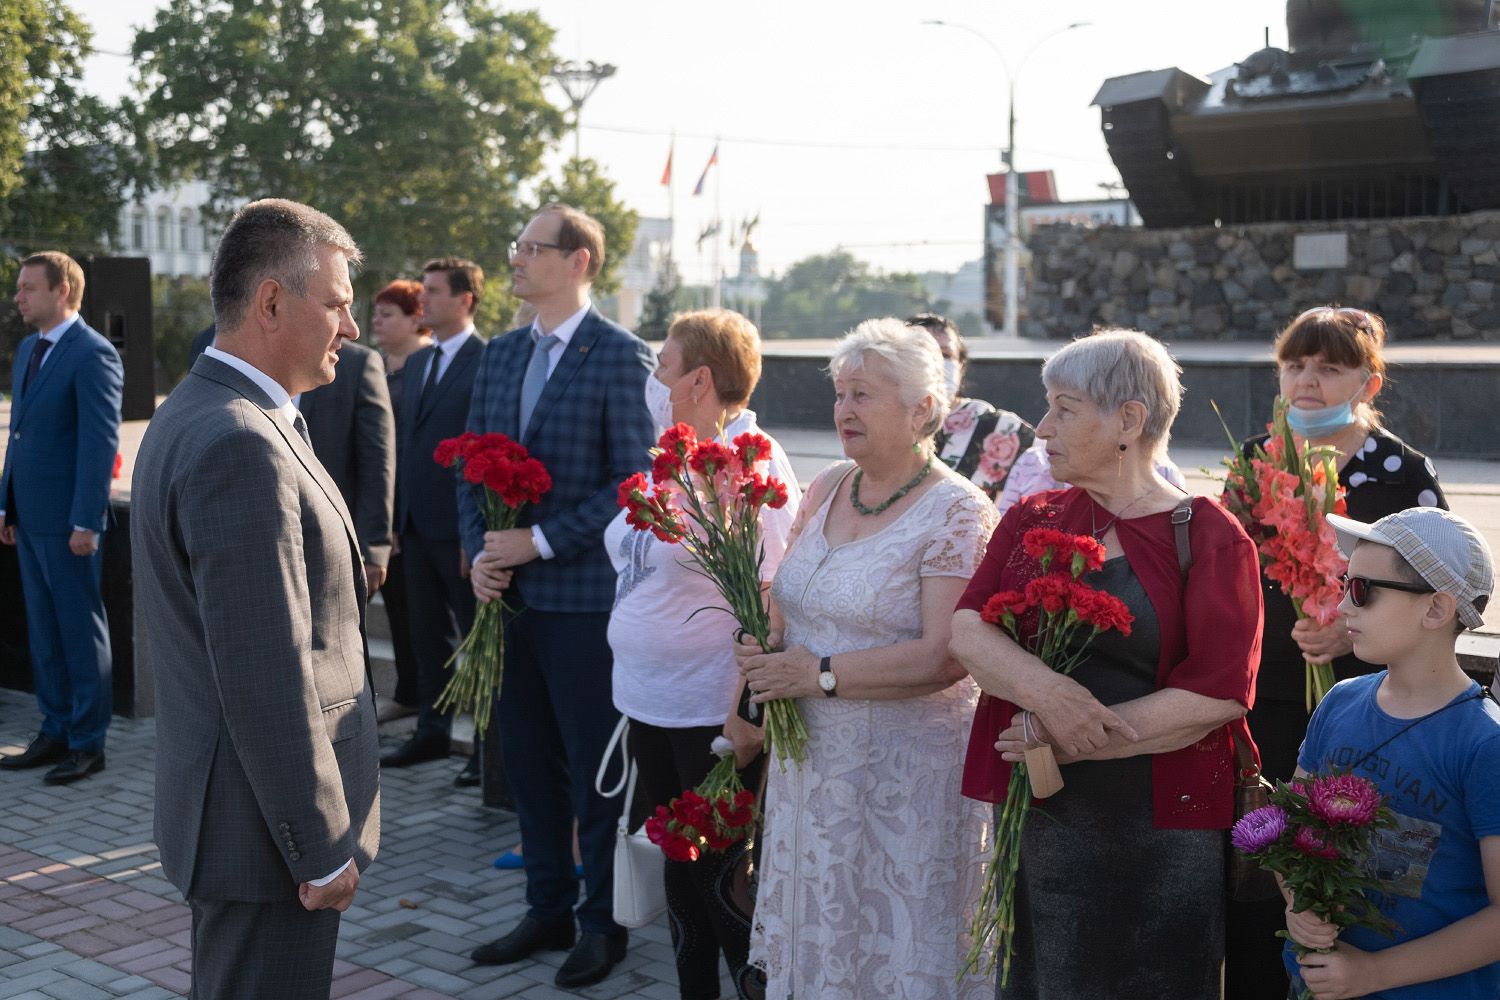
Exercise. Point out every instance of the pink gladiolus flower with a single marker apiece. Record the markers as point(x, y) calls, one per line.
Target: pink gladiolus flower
point(1344, 799)
point(1259, 829)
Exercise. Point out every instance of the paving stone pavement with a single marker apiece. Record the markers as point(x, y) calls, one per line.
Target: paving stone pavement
point(85, 912)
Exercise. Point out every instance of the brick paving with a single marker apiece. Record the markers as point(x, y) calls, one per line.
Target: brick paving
point(85, 912)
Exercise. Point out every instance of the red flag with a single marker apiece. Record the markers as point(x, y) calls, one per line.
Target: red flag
point(712, 160)
point(666, 175)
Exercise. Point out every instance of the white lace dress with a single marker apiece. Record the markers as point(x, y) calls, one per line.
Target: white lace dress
point(871, 863)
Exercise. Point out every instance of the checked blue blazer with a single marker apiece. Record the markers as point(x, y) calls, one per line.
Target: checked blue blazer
point(590, 429)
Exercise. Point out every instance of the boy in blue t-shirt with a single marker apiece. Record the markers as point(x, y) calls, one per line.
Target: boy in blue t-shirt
point(1429, 738)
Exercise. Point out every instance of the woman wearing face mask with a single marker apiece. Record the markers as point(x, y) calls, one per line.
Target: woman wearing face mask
point(675, 675)
point(1331, 369)
point(977, 441)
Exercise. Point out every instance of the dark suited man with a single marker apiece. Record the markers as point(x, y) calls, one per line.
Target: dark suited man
point(435, 405)
point(54, 503)
point(354, 435)
point(571, 388)
point(250, 582)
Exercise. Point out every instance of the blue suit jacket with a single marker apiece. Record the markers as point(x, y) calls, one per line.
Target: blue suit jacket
point(64, 433)
point(590, 429)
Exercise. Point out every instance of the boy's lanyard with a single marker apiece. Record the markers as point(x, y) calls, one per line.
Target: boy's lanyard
point(1483, 694)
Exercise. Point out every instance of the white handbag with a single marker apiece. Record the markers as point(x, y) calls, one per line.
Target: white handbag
point(640, 891)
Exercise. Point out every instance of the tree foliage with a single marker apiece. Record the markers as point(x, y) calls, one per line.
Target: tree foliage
point(661, 303)
point(416, 123)
point(827, 294)
point(63, 168)
point(180, 308)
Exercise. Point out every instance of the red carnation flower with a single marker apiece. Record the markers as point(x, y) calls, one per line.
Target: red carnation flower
point(709, 457)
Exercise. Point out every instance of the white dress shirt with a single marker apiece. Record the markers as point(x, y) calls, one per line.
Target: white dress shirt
point(446, 351)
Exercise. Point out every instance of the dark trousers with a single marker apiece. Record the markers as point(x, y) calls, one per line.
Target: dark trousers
point(1253, 968)
point(243, 950)
point(393, 593)
point(555, 716)
point(440, 608)
point(708, 900)
point(70, 655)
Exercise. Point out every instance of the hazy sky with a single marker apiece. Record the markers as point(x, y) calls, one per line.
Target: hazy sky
point(844, 123)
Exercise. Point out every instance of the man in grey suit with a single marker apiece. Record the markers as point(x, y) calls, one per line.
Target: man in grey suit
point(251, 586)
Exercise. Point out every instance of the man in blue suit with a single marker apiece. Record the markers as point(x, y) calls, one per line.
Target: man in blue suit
point(571, 388)
point(54, 504)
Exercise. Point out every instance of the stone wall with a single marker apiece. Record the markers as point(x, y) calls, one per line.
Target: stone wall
point(1431, 278)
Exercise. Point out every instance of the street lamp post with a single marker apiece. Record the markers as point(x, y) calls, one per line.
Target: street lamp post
point(579, 81)
point(1008, 158)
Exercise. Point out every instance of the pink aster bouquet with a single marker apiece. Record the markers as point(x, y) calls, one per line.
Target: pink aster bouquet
point(707, 496)
point(713, 817)
point(511, 479)
point(1316, 834)
point(1056, 616)
point(1282, 494)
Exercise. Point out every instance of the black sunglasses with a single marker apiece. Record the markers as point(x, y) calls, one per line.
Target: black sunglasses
point(1358, 588)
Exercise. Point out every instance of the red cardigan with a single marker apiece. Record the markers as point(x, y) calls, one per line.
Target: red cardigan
point(1210, 639)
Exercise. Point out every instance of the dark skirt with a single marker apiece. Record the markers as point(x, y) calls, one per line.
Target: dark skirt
point(1109, 906)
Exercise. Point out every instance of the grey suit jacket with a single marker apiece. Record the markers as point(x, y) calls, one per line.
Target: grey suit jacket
point(354, 436)
point(248, 579)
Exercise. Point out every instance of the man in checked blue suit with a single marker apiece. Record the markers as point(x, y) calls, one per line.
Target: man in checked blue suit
point(54, 504)
point(571, 388)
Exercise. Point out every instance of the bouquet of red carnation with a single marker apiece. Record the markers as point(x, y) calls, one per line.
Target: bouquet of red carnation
point(707, 497)
point(511, 479)
point(1316, 834)
point(713, 817)
point(1282, 494)
point(1055, 617)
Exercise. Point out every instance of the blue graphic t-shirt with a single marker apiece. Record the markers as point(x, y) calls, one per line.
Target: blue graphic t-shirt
point(1442, 780)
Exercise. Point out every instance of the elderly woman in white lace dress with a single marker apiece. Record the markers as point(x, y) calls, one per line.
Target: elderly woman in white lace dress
point(871, 858)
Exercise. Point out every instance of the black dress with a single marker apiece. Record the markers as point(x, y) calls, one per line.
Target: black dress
point(1107, 905)
point(1384, 476)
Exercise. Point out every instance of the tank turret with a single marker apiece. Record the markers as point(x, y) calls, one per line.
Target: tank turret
point(1379, 108)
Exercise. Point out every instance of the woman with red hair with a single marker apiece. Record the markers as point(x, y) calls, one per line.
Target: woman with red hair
point(399, 333)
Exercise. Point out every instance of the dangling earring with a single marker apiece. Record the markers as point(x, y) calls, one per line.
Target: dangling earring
point(1120, 461)
point(916, 447)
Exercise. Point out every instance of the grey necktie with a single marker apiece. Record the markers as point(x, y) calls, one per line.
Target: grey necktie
point(536, 378)
point(301, 426)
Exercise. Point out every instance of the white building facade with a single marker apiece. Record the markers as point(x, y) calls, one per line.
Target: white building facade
point(168, 227)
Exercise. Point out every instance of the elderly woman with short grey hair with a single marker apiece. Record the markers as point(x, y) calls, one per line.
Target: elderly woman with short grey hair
point(870, 867)
point(1121, 884)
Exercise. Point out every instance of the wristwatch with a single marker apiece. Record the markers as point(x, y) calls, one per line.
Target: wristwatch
point(827, 679)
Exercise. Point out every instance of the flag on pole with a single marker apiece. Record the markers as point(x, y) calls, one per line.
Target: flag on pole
point(712, 229)
point(713, 159)
point(666, 175)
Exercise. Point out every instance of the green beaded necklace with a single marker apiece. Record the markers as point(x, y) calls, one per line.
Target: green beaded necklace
point(859, 474)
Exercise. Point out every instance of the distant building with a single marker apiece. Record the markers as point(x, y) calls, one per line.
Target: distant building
point(640, 271)
point(960, 293)
point(746, 291)
point(168, 227)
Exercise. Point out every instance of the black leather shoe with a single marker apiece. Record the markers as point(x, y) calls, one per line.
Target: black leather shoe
point(592, 959)
point(77, 764)
point(529, 937)
point(43, 750)
point(469, 776)
point(416, 750)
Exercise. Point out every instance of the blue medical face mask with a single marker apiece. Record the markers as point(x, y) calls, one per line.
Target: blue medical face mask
point(1323, 421)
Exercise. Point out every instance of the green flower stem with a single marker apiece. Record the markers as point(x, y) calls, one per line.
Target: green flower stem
point(478, 664)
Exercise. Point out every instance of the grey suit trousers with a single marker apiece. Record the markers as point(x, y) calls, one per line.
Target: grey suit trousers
point(262, 951)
